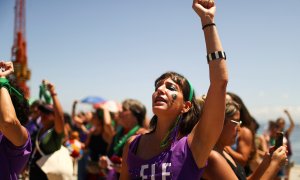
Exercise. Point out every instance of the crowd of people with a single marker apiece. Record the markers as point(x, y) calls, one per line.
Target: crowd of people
point(209, 137)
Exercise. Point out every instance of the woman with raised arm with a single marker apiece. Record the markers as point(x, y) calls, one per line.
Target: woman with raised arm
point(49, 137)
point(181, 139)
point(287, 133)
point(15, 144)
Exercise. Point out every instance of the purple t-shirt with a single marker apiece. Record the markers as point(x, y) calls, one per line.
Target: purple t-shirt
point(12, 158)
point(174, 163)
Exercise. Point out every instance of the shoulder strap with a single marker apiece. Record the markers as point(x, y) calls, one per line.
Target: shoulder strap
point(38, 141)
point(134, 144)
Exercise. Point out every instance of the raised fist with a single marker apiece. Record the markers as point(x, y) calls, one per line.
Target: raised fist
point(207, 3)
point(6, 68)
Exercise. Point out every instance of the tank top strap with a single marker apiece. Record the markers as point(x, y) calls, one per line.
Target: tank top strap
point(134, 144)
point(238, 169)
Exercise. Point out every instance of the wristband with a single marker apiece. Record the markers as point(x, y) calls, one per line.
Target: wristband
point(207, 25)
point(216, 55)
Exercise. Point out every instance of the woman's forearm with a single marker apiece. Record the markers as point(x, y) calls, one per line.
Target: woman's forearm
point(9, 123)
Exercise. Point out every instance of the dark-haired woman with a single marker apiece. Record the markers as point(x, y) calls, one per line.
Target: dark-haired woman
point(50, 135)
point(245, 152)
point(181, 139)
point(15, 144)
point(222, 165)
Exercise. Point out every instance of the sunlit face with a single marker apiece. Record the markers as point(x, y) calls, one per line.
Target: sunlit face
point(230, 129)
point(167, 97)
point(127, 119)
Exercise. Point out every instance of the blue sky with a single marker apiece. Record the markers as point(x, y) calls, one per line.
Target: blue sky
point(117, 49)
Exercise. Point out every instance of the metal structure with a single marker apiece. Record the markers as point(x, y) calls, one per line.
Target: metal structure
point(19, 52)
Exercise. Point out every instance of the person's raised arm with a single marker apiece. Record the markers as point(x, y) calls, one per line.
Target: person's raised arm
point(9, 124)
point(292, 124)
point(58, 111)
point(206, 133)
point(108, 127)
point(74, 109)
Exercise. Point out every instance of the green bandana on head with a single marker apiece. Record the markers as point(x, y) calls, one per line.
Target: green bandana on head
point(191, 91)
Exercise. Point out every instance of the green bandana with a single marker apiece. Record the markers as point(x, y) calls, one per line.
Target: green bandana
point(191, 91)
point(5, 83)
point(45, 94)
point(125, 138)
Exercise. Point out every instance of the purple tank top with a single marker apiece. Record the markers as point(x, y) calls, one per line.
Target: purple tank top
point(174, 163)
point(13, 159)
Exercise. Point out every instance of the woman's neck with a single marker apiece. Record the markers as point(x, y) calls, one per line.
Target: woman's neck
point(162, 127)
point(128, 128)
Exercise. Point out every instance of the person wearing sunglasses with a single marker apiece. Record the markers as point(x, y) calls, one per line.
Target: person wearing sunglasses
point(221, 165)
point(245, 150)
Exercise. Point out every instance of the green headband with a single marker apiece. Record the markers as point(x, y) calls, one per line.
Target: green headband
point(5, 83)
point(191, 91)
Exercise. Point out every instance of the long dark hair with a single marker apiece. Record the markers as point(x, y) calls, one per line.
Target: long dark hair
point(246, 118)
point(188, 119)
point(247, 121)
point(21, 105)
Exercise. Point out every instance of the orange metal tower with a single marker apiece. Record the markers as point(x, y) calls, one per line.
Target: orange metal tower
point(19, 52)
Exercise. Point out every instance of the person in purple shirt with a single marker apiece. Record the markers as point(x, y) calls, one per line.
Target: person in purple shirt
point(15, 144)
point(182, 135)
